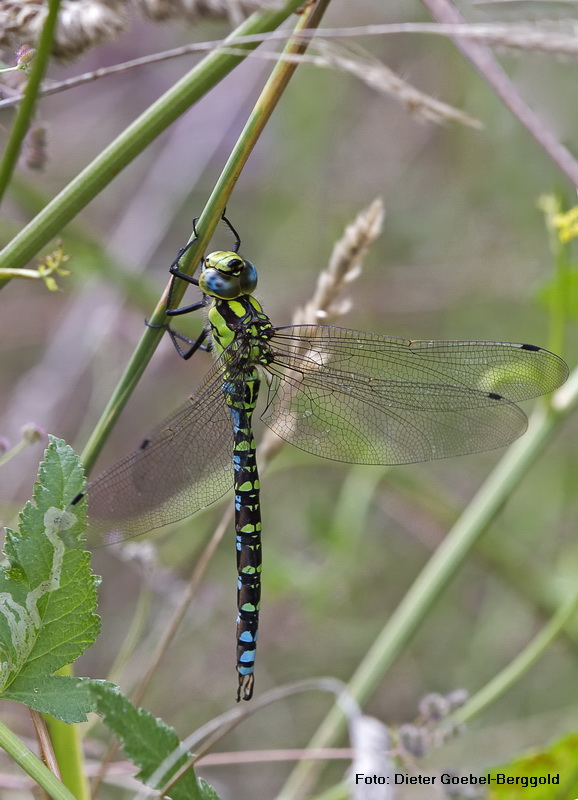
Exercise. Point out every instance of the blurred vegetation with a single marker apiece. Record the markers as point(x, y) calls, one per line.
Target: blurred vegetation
point(465, 254)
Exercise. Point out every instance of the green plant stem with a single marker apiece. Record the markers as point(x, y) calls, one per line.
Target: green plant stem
point(551, 205)
point(28, 274)
point(561, 294)
point(437, 573)
point(67, 743)
point(208, 221)
point(131, 142)
point(509, 676)
point(33, 766)
point(26, 109)
point(13, 452)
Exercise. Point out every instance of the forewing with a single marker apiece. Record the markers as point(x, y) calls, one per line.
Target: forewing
point(183, 466)
point(371, 399)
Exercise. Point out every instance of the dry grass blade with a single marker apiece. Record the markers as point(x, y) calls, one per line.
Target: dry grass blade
point(344, 267)
point(371, 71)
point(193, 10)
point(358, 62)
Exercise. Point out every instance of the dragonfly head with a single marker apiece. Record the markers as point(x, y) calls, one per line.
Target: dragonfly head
point(226, 275)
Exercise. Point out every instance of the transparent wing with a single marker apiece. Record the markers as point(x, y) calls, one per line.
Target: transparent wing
point(371, 399)
point(183, 466)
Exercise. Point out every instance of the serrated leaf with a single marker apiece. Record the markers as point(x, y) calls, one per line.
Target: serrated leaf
point(207, 791)
point(68, 699)
point(47, 591)
point(547, 774)
point(147, 741)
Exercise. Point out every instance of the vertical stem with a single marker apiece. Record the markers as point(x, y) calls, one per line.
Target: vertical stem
point(26, 109)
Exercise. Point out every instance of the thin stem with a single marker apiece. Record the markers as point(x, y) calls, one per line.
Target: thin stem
point(13, 452)
point(26, 109)
point(46, 748)
point(517, 668)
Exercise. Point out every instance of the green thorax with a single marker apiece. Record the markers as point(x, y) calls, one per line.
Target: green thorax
point(233, 312)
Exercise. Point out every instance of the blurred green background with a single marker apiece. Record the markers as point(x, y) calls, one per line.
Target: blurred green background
point(463, 254)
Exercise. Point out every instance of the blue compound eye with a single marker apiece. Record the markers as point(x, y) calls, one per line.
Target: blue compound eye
point(214, 283)
point(248, 278)
point(227, 276)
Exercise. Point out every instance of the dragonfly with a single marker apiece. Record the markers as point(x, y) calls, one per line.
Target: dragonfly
point(346, 395)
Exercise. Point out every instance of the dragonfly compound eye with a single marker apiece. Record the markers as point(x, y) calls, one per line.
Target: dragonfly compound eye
point(214, 283)
point(248, 278)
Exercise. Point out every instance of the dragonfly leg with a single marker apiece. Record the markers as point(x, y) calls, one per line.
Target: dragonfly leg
point(235, 248)
point(175, 312)
point(177, 273)
point(195, 344)
point(174, 267)
point(176, 338)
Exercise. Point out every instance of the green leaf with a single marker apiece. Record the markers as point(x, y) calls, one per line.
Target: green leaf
point(147, 741)
point(548, 773)
point(67, 699)
point(207, 792)
point(48, 593)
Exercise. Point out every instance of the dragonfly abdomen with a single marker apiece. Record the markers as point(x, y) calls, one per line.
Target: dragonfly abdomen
point(241, 397)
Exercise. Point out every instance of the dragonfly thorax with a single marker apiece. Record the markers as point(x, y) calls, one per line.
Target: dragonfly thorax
point(226, 275)
point(243, 320)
